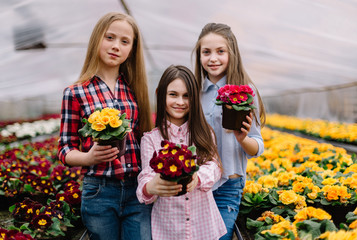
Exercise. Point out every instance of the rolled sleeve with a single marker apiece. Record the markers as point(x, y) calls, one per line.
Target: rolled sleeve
point(147, 150)
point(255, 131)
point(208, 174)
point(70, 122)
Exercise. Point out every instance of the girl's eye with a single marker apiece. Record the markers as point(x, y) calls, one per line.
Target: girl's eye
point(221, 51)
point(109, 37)
point(125, 41)
point(205, 52)
point(172, 94)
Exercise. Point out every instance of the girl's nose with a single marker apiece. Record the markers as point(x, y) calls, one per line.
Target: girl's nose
point(116, 45)
point(213, 58)
point(180, 100)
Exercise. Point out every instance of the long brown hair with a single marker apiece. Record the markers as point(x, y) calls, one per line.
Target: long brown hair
point(236, 74)
point(133, 68)
point(200, 133)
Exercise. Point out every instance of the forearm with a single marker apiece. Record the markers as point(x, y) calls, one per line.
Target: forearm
point(250, 145)
point(77, 158)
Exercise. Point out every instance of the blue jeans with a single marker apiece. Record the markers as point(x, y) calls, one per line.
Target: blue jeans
point(111, 211)
point(228, 198)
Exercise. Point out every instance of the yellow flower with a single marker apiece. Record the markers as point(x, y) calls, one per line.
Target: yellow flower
point(110, 112)
point(353, 224)
point(98, 126)
point(288, 197)
point(311, 212)
point(329, 181)
point(93, 117)
point(314, 192)
point(252, 187)
point(268, 181)
point(281, 228)
point(103, 119)
point(115, 122)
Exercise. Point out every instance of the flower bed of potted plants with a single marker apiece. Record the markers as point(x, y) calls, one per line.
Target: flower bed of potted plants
point(28, 129)
point(336, 131)
point(295, 174)
point(44, 194)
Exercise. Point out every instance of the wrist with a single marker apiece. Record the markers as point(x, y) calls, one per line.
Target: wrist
point(146, 192)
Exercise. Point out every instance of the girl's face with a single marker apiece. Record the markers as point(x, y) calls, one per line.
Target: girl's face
point(117, 44)
point(214, 56)
point(177, 102)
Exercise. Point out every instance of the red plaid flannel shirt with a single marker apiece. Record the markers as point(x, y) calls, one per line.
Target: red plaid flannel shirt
point(79, 101)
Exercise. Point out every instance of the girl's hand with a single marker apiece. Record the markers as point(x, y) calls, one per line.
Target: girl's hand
point(240, 135)
point(162, 188)
point(99, 154)
point(192, 185)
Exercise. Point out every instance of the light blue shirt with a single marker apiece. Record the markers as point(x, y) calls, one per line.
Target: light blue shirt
point(234, 158)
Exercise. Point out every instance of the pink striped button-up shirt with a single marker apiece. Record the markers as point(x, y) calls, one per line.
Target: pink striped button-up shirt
point(193, 215)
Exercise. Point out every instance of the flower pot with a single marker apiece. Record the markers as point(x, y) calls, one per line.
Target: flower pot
point(119, 143)
point(183, 181)
point(232, 119)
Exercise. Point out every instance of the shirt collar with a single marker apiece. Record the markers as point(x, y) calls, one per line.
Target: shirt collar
point(207, 83)
point(177, 130)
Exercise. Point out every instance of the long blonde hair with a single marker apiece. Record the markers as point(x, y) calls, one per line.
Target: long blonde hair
point(133, 68)
point(236, 74)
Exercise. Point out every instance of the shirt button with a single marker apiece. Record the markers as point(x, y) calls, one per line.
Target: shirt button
point(187, 219)
point(129, 165)
point(187, 198)
point(181, 140)
point(179, 129)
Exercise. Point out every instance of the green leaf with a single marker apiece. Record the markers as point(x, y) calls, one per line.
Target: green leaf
point(29, 188)
point(248, 197)
point(106, 137)
point(219, 102)
point(250, 98)
point(11, 208)
point(253, 224)
point(192, 149)
point(325, 202)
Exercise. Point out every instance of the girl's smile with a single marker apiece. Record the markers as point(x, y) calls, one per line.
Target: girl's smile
point(177, 104)
point(214, 56)
point(117, 44)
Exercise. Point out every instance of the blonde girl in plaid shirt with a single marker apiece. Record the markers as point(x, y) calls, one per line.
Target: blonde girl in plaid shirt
point(180, 119)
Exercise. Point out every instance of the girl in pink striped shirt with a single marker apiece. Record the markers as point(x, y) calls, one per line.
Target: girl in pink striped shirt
point(180, 119)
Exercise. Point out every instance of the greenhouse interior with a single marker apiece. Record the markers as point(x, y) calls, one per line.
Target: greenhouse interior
point(301, 56)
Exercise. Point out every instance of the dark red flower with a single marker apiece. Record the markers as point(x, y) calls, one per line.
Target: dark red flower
point(165, 144)
point(74, 197)
point(41, 221)
point(157, 163)
point(70, 185)
point(61, 197)
point(173, 167)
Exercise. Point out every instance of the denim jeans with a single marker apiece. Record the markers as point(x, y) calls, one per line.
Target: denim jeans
point(228, 198)
point(111, 211)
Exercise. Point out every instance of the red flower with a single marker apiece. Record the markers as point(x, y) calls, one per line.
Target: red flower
point(167, 144)
point(173, 167)
point(74, 197)
point(240, 97)
point(174, 161)
point(157, 163)
point(41, 221)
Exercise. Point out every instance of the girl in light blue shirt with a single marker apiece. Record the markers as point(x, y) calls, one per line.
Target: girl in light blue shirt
point(218, 63)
